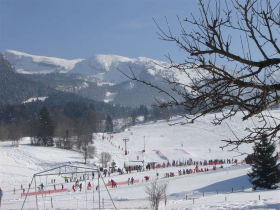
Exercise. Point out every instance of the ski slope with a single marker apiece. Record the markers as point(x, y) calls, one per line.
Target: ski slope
point(199, 141)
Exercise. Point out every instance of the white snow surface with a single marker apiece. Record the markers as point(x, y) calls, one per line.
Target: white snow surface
point(201, 140)
point(109, 97)
point(35, 99)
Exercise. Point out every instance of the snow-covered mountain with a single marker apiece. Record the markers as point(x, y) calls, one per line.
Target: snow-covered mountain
point(30, 64)
point(101, 68)
point(100, 75)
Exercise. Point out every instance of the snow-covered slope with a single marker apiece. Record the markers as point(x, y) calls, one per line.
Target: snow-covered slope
point(18, 164)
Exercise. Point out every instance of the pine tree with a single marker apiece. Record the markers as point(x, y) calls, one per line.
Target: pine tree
point(46, 128)
point(67, 140)
point(109, 124)
point(265, 172)
point(133, 116)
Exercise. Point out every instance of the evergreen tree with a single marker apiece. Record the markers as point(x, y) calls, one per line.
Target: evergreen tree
point(265, 172)
point(133, 116)
point(156, 113)
point(46, 128)
point(143, 110)
point(67, 141)
point(109, 124)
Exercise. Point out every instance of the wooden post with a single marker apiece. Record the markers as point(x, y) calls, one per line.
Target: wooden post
point(99, 188)
point(193, 201)
point(51, 202)
point(36, 192)
point(217, 192)
point(203, 194)
point(186, 197)
point(259, 197)
point(225, 198)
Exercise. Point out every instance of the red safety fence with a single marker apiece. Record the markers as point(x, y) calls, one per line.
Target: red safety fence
point(183, 151)
point(203, 170)
point(45, 192)
point(122, 183)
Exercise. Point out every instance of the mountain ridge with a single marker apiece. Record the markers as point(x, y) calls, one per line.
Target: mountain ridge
point(100, 78)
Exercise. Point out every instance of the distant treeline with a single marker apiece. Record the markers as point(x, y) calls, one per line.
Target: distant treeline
point(71, 122)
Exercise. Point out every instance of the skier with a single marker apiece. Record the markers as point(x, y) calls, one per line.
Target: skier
point(89, 186)
point(73, 188)
point(92, 175)
point(128, 181)
point(132, 179)
point(1, 195)
point(80, 187)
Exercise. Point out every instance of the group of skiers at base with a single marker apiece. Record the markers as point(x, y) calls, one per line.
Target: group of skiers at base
point(130, 181)
point(79, 185)
point(189, 171)
point(204, 163)
point(105, 172)
point(112, 183)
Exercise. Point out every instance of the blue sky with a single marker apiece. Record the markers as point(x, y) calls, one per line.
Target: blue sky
point(82, 28)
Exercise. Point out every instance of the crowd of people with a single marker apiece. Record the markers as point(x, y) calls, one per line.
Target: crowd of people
point(201, 163)
point(77, 186)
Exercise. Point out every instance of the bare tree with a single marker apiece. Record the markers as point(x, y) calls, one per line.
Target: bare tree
point(89, 152)
point(14, 134)
point(239, 35)
point(3, 131)
point(63, 129)
point(156, 192)
point(105, 157)
point(33, 127)
point(83, 132)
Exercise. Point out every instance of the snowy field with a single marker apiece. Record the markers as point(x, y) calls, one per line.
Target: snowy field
point(226, 188)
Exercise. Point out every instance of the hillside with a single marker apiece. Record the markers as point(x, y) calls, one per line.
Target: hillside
point(15, 88)
point(196, 139)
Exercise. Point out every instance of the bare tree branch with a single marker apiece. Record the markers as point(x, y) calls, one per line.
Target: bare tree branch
point(214, 38)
